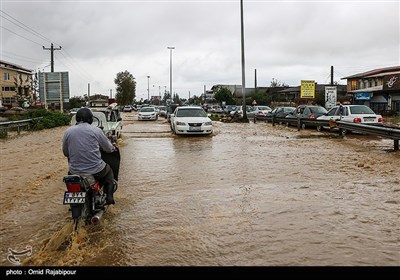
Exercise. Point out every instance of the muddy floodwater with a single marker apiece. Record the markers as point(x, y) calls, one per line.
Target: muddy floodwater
point(249, 195)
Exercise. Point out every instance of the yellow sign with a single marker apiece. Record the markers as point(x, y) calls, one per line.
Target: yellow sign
point(307, 89)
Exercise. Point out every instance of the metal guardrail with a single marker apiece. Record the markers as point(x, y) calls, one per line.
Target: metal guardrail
point(383, 131)
point(5, 126)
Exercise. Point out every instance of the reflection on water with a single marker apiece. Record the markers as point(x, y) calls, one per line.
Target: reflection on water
point(250, 195)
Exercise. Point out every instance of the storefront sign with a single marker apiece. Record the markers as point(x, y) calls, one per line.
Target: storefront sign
point(307, 89)
point(330, 97)
point(391, 82)
point(363, 96)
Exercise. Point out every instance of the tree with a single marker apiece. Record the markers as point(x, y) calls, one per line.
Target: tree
point(260, 97)
point(22, 88)
point(176, 99)
point(126, 88)
point(224, 94)
point(76, 102)
point(276, 83)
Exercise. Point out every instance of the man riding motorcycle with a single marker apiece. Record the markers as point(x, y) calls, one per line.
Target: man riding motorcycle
point(82, 145)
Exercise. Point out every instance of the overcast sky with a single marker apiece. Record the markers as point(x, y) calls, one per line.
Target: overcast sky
point(289, 41)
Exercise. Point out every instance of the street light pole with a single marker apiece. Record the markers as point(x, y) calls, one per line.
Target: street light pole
point(170, 70)
point(243, 67)
point(148, 90)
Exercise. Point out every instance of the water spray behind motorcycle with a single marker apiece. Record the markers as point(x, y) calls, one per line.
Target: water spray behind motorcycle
point(86, 197)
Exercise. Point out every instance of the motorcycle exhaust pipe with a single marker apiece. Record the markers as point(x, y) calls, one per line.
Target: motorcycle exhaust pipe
point(96, 218)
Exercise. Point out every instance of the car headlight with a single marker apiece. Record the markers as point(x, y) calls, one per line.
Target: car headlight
point(180, 123)
point(207, 123)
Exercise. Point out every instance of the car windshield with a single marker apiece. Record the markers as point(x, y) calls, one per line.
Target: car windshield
point(318, 110)
point(361, 110)
point(288, 110)
point(147, 109)
point(264, 108)
point(191, 113)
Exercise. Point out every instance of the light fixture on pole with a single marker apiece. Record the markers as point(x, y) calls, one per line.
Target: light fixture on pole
point(148, 89)
point(170, 70)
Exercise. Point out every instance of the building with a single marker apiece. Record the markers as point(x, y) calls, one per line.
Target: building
point(54, 89)
point(98, 100)
point(379, 89)
point(16, 84)
point(292, 94)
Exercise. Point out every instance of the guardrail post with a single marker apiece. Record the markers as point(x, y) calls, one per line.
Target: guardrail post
point(396, 144)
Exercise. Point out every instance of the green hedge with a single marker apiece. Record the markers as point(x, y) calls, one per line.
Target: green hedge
point(43, 118)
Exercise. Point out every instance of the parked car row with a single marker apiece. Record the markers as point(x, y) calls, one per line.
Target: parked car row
point(317, 116)
point(195, 120)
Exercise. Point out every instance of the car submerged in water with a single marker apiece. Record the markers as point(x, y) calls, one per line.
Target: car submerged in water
point(191, 120)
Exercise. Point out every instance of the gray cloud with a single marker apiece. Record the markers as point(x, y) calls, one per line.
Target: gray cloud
point(287, 41)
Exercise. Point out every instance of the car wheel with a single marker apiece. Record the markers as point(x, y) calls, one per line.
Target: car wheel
point(320, 128)
point(343, 132)
point(303, 126)
point(287, 124)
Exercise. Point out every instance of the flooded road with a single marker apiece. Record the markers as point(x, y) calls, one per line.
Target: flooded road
point(249, 195)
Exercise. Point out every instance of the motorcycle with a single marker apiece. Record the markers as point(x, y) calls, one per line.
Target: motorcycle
point(86, 196)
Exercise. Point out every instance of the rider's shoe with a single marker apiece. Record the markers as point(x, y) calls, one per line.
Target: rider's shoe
point(110, 200)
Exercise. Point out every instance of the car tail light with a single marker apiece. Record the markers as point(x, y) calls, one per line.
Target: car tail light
point(74, 187)
point(357, 120)
point(380, 119)
point(312, 117)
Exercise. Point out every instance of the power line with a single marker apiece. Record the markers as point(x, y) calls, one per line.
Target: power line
point(21, 36)
point(20, 57)
point(24, 27)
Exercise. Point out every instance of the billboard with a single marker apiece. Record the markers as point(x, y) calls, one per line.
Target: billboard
point(53, 87)
point(307, 89)
point(330, 97)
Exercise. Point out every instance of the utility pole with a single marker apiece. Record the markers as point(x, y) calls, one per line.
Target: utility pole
point(52, 49)
point(332, 75)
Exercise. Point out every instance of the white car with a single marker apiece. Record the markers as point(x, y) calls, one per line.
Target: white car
point(261, 111)
point(191, 120)
point(351, 113)
point(148, 113)
point(108, 119)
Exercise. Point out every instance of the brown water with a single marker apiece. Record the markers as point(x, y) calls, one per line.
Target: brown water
point(251, 195)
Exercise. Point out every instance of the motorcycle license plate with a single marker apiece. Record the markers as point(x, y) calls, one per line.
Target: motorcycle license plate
point(74, 197)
